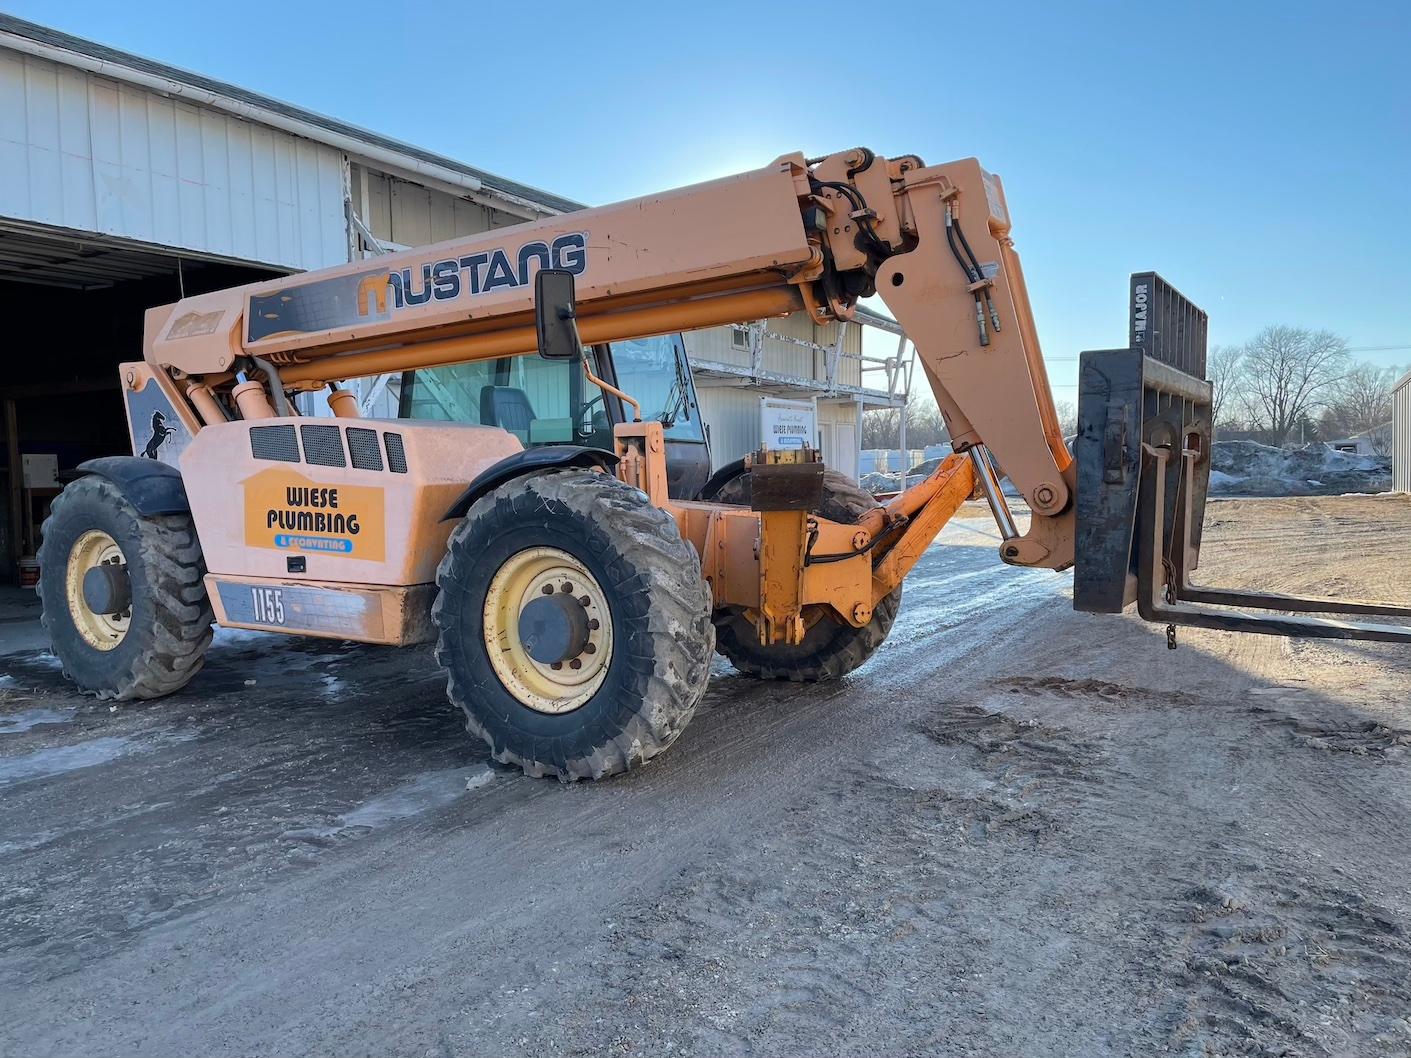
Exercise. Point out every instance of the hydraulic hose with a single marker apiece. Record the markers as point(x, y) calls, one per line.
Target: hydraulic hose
point(281, 400)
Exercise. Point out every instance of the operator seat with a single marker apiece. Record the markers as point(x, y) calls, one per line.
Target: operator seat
point(508, 408)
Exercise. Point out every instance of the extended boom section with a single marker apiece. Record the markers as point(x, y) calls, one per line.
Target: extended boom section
point(933, 241)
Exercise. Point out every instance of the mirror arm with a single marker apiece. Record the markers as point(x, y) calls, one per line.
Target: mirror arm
point(607, 388)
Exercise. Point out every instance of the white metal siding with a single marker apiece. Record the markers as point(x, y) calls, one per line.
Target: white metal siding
point(732, 414)
point(83, 152)
point(408, 214)
point(781, 357)
point(1401, 435)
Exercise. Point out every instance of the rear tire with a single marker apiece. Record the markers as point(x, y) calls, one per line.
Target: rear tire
point(161, 641)
point(573, 535)
point(832, 647)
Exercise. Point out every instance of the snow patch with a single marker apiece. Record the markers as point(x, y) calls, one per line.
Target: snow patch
point(46, 762)
point(14, 723)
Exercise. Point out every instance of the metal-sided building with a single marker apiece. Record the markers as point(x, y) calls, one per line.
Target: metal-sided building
point(799, 360)
point(126, 183)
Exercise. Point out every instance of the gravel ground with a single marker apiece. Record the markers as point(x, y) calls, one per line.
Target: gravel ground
point(1017, 830)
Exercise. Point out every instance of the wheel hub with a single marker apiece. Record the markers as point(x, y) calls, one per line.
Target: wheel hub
point(107, 589)
point(548, 629)
point(554, 628)
point(99, 590)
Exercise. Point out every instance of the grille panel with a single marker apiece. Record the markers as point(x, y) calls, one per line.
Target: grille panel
point(274, 442)
point(363, 448)
point(396, 454)
point(323, 445)
point(1166, 326)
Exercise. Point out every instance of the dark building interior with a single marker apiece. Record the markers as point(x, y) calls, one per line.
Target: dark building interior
point(74, 308)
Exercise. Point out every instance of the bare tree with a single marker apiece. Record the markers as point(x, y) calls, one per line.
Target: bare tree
point(1287, 373)
point(1361, 400)
point(1067, 417)
point(924, 426)
point(880, 428)
point(1223, 368)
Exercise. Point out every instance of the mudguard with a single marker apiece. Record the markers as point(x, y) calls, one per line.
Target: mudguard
point(530, 461)
point(150, 486)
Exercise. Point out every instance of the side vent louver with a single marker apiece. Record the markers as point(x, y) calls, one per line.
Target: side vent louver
point(396, 454)
point(274, 442)
point(363, 448)
point(323, 445)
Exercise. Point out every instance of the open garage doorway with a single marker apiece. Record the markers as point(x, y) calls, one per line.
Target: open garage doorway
point(73, 306)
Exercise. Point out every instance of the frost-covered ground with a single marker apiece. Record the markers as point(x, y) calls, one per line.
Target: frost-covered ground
point(1016, 830)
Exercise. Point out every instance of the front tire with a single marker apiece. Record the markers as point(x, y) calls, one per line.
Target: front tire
point(149, 636)
point(573, 625)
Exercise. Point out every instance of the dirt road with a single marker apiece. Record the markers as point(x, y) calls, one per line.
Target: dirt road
point(1018, 830)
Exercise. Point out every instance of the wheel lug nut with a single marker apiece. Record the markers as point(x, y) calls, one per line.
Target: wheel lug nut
point(575, 664)
point(548, 589)
point(593, 623)
point(584, 601)
point(590, 648)
point(567, 588)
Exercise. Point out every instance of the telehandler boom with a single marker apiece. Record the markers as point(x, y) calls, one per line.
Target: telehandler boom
point(574, 600)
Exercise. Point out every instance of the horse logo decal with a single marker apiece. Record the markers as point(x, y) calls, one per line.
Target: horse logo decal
point(160, 432)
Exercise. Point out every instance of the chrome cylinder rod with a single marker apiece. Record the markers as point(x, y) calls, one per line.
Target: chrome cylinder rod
point(989, 485)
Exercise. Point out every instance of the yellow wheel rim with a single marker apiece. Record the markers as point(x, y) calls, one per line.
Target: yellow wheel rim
point(557, 686)
point(101, 631)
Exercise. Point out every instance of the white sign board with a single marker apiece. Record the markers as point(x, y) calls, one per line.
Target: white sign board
point(787, 423)
point(41, 471)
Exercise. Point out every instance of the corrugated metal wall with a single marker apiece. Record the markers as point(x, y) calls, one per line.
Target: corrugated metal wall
point(732, 413)
point(1401, 435)
point(83, 152)
point(408, 214)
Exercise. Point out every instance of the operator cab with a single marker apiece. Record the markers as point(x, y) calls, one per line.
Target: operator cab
point(549, 402)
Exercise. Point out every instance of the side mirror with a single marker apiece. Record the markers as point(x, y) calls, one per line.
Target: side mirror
point(556, 315)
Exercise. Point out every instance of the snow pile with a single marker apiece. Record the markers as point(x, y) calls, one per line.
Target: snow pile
point(878, 482)
point(1240, 468)
point(1246, 468)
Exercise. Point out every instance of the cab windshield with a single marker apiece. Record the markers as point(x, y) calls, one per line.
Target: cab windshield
point(653, 371)
point(545, 402)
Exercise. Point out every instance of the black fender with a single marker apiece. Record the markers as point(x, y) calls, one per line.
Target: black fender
point(530, 461)
point(150, 486)
point(722, 477)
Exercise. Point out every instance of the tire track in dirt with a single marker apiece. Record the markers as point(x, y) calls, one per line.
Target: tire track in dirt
point(1273, 954)
point(1277, 963)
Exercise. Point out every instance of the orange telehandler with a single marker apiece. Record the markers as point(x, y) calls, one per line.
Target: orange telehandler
point(575, 591)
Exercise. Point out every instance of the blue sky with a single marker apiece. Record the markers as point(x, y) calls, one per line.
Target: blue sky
point(1256, 154)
